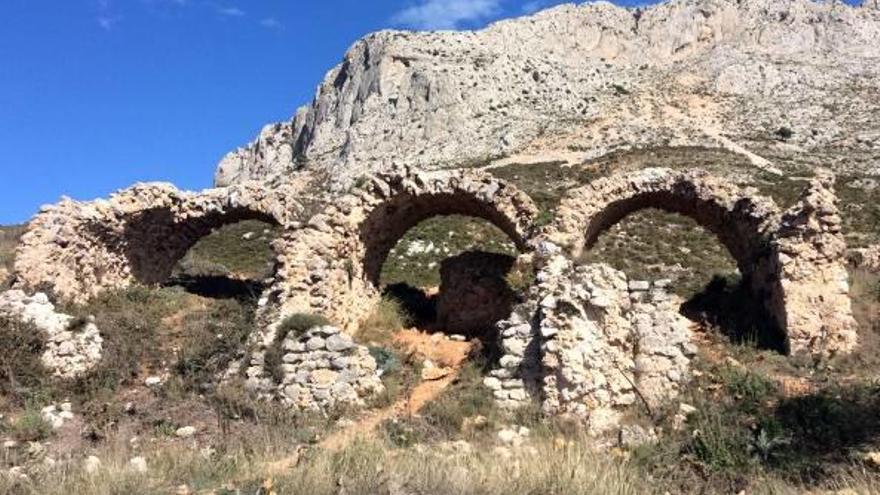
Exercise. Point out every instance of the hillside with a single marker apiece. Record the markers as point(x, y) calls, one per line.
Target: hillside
point(789, 84)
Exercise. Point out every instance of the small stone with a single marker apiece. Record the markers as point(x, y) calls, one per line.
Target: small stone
point(91, 465)
point(873, 458)
point(315, 344)
point(492, 383)
point(153, 381)
point(138, 464)
point(508, 437)
point(185, 432)
point(639, 286)
point(686, 409)
point(339, 342)
point(10, 444)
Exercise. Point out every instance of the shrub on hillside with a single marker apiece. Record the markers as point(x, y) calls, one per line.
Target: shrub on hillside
point(22, 375)
point(387, 317)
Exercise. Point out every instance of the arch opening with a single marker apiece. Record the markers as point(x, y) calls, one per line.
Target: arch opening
point(448, 273)
point(218, 255)
point(730, 226)
point(388, 223)
point(699, 251)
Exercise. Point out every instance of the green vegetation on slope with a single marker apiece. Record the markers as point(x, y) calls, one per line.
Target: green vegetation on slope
point(240, 250)
point(416, 258)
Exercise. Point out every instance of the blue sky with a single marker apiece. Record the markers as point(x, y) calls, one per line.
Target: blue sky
point(98, 94)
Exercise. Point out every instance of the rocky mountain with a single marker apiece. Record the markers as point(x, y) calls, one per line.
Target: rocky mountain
point(786, 83)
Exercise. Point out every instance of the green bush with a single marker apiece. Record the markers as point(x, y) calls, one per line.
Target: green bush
point(784, 133)
point(22, 376)
point(130, 321)
point(212, 339)
point(30, 426)
point(386, 360)
point(300, 323)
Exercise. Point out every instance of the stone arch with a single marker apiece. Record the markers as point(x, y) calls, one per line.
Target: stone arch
point(792, 262)
point(75, 250)
point(387, 223)
point(585, 339)
point(742, 220)
point(331, 266)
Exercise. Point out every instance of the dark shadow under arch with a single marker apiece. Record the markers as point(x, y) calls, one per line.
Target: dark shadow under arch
point(388, 223)
point(156, 239)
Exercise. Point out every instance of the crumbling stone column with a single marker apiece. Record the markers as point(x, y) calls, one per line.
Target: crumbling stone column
point(813, 294)
point(589, 342)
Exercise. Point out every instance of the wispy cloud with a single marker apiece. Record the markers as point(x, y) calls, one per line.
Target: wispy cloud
point(108, 22)
point(270, 23)
point(446, 14)
point(230, 11)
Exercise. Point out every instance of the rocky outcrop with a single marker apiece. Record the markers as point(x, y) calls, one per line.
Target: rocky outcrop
point(591, 78)
point(73, 347)
point(75, 250)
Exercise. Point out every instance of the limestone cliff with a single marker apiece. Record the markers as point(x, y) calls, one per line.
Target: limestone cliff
point(781, 81)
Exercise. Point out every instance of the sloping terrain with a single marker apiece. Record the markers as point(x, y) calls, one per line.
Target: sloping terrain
point(789, 85)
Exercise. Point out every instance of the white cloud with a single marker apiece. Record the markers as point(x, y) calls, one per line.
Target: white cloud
point(446, 14)
point(108, 22)
point(270, 23)
point(230, 11)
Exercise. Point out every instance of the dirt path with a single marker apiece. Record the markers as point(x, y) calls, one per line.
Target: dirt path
point(447, 355)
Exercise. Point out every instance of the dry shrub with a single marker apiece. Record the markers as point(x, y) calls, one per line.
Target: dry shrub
point(387, 318)
point(22, 376)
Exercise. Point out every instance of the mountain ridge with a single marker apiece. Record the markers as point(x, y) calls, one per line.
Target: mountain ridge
point(590, 79)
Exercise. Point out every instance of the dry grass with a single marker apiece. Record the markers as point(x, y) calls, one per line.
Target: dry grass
point(8, 241)
point(379, 327)
point(361, 468)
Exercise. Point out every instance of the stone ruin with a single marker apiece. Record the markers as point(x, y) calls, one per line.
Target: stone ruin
point(582, 339)
point(73, 347)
